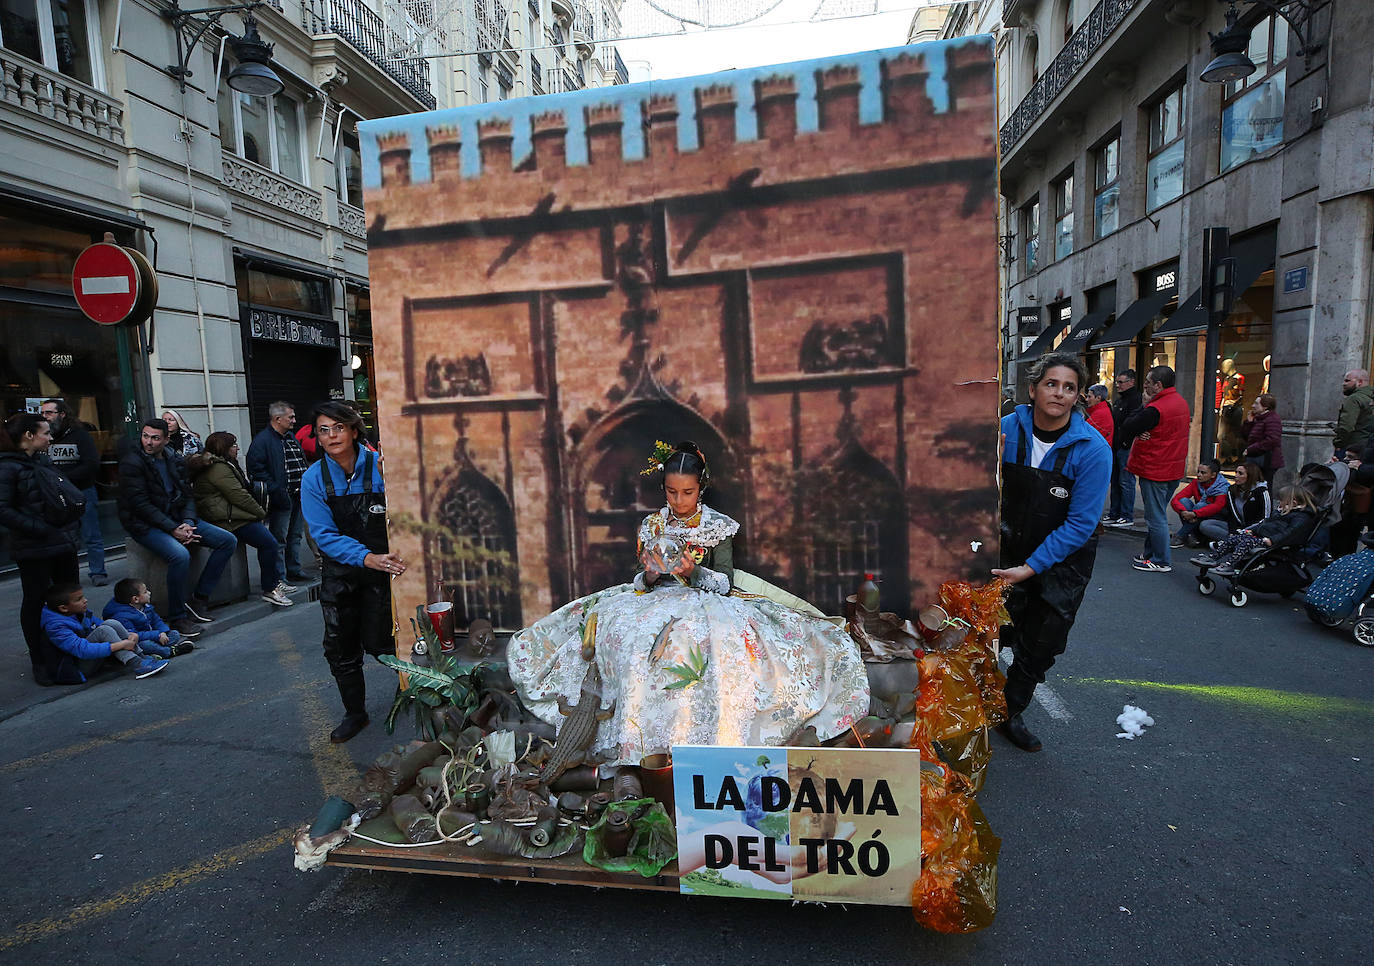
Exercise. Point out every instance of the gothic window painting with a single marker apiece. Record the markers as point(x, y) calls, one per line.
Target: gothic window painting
point(474, 548)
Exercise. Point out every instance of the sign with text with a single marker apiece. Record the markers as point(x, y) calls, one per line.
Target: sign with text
point(1294, 280)
point(820, 824)
point(278, 327)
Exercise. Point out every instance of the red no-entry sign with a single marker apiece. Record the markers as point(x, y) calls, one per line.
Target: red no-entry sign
point(107, 283)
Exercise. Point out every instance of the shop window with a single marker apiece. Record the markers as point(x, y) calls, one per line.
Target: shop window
point(1252, 107)
point(348, 169)
point(1106, 187)
point(306, 296)
point(1063, 217)
point(1030, 229)
point(1164, 170)
point(62, 35)
point(39, 258)
point(269, 131)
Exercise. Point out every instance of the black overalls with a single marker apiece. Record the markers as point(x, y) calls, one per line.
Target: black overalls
point(1035, 503)
point(356, 601)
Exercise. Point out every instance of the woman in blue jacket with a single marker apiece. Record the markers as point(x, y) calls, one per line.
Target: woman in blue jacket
point(1055, 473)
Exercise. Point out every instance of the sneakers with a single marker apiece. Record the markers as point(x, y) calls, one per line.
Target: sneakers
point(1177, 543)
point(1121, 523)
point(1149, 566)
point(198, 609)
point(277, 598)
point(155, 649)
point(181, 647)
point(1139, 558)
point(1203, 560)
point(186, 627)
point(286, 588)
point(149, 666)
point(100, 580)
point(1224, 570)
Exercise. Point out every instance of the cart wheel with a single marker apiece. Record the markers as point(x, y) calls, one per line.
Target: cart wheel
point(1364, 605)
point(1205, 586)
point(1317, 617)
point(1239, 598)
point(1364, 631)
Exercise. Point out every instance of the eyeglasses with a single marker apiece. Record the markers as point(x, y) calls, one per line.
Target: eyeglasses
point(338, 429)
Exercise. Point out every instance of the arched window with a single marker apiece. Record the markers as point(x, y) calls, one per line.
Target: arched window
point(1066, 19)
point(1030, 67)
point(474, 546)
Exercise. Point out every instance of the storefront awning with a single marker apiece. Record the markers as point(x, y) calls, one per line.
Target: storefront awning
point(1077, 339)
point(1046, 339)
point(1129, 324)
point(1254, 256)
point(40, 199)
point(287, 265)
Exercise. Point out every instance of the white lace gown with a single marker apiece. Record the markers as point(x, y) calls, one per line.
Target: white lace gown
point(769, 670)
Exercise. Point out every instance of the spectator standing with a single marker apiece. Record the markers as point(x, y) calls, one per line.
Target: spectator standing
point(158, 511)
point(1159, 455)
point(181, 440)
point(76, 456)
point(1100, 412)
point(1247, 503)
point(1263, 431)
point(1203, 499)
point(224, 498)
point(306, 437)
point(43, 550)
point(1355, 422)
point(1055, 473)
point(276, 458)
point(1121, 512)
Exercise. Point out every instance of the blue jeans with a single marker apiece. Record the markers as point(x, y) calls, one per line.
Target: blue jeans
point(91, 535)
point(1187, 529)
point(286, 524)
point(220, 543)
point(1156, 498)
point(1213, 529)
point(260, 538)
point(1123, 487)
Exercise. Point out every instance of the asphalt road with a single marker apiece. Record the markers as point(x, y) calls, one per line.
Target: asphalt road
point(147, 819)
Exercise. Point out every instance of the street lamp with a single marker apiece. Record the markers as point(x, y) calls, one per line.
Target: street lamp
point(252, 74)
point(1230, 61)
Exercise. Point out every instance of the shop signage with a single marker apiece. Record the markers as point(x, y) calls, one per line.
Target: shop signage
point(818, 824)
point(1295, 280)
point(1026, 342)
point(278, 327)
point(1065, 312)
point(107, 284)
point(1166, 280)
point(1028, 318)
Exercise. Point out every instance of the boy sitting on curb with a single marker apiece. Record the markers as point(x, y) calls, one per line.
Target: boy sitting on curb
point(68, 622)
point(132, 607)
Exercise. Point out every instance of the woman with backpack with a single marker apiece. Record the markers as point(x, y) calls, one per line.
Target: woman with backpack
point(42, 511)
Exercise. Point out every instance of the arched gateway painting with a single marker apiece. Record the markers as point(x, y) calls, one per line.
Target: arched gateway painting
point(794, 267)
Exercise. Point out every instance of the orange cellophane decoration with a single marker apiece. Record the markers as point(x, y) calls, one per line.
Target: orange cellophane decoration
point(958, 699)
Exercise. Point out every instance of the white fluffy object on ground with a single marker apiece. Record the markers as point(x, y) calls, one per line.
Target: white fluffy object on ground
point(1133, 722)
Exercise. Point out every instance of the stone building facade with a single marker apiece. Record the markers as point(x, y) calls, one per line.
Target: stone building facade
point(793, 267)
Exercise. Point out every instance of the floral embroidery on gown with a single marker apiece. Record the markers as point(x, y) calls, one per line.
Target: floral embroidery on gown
point(769, 671)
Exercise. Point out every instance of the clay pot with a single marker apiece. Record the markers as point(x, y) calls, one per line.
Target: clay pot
point(616, 833)
point(656, 776)
point(477, 797)
point(626, 785)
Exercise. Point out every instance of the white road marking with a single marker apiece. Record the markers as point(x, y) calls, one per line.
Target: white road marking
point(105, 285)
point(1046, 696)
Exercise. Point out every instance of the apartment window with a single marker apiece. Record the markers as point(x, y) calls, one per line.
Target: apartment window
point(1106, 187)
point(1252, 108)
point(1164, 170)
point(1030, 227)
point(269, 131)
point(1063, 217)
point(482, 91)
point(348, 166)
point(62, 35)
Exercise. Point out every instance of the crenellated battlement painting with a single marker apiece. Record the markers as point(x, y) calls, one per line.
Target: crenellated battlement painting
point(795, 267)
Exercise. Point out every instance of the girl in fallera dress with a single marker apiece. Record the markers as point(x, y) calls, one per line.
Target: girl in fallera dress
point(686, 656)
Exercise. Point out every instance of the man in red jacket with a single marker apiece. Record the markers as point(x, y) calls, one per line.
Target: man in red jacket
point(1200, 500)
point(1158, 459)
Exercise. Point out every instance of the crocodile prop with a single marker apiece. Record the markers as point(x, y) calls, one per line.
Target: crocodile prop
point(575, 737)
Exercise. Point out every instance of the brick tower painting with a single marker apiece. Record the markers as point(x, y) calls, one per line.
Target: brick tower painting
point(794, 267)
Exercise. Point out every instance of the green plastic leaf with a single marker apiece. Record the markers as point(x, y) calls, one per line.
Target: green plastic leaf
point(422, 676)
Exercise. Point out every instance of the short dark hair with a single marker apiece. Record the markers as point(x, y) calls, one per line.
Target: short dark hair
point(158, 423)
point(218, 443)
point(1268, 401)
point(1051, 360)
point(60, 595)
point(59, 404)
point(1162, 375)
point(1214, 465)
point(1128, 373)
point(127, 589)
point(16, 428)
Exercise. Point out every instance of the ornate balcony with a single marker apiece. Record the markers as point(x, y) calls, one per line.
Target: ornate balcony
point(271, 188)
point(1013, 9)
point(1087, 39)
point(363, 29)
point(584, 30)
point(33, 88)
point(562, 10)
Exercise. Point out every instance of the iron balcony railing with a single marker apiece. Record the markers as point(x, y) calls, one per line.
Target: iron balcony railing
point(1104, 18)
point(536, 75)
point(362, 29)
point(622, 73)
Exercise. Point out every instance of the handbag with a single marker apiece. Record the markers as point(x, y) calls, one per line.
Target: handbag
point(1359, 496)
point(259, 491)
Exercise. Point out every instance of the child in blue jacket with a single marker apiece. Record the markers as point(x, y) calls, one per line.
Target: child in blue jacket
point(132, 607)
point(85, 644)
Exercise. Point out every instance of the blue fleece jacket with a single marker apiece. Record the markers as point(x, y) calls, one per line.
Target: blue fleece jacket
point(68, 633)
point(145, 622)
point(315, 508)
point(1089, 466)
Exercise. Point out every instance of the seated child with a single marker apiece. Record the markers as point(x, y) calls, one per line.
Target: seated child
point(1290, 527)
point(132, 607)
point(85, 644)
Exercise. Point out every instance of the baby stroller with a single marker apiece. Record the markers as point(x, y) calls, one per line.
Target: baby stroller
point(1345, 590)
point(1285, 570)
